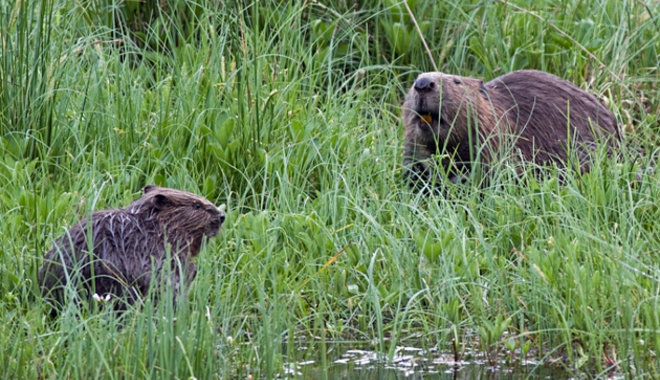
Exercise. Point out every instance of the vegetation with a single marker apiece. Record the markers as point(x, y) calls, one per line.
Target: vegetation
point(288, 113)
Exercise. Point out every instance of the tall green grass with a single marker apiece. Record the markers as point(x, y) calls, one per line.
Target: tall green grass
point(288, 113)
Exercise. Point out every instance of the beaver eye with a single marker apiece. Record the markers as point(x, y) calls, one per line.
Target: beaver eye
point(197, 205)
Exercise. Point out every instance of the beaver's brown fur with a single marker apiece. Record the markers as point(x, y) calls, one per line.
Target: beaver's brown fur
point(462, 118)
point(128, 245)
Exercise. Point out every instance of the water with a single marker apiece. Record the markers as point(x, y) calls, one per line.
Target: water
point(415, 363)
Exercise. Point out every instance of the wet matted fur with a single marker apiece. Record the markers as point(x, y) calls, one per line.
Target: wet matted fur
point(117, 252)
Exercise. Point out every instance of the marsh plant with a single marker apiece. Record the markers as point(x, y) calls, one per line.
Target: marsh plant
point(288, 113)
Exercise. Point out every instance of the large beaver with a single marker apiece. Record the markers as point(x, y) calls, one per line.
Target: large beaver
point(529, 114)
point(116, 252)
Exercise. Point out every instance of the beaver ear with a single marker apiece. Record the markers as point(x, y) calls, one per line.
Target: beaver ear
point(148, 188)
point(482, 88)
point(160, 201)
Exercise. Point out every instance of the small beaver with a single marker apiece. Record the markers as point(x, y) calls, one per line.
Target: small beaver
point(465, 120)
point(126, 246)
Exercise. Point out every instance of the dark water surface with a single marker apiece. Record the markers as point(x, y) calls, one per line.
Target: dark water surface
point(414, 363)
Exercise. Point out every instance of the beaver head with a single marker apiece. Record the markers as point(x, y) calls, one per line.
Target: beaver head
point(437, 102)
point(183, 217)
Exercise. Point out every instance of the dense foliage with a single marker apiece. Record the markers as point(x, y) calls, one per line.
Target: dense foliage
point(288, 113)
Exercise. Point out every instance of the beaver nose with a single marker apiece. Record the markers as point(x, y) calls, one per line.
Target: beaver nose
point(221, 216)
point(424, 85)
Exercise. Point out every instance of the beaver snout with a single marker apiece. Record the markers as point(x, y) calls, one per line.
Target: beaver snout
point(217, 221)
point(424, 85)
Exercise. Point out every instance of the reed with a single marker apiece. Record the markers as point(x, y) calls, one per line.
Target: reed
point(288, 113)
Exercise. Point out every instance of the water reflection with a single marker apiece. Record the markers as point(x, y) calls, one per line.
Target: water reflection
point(415, 363)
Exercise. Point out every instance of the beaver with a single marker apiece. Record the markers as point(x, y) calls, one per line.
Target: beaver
point(541, 116)
point(117, 252)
